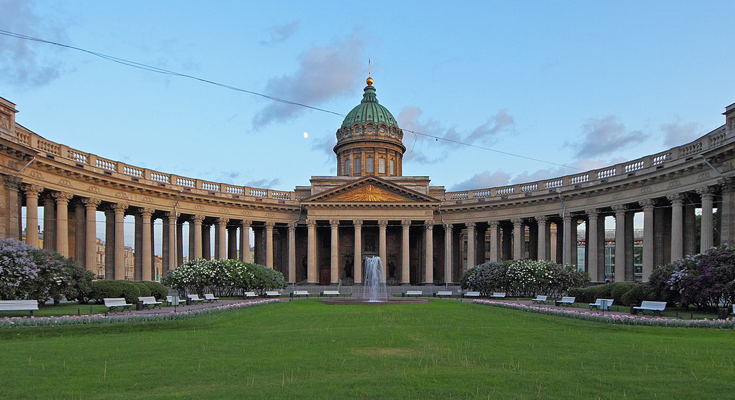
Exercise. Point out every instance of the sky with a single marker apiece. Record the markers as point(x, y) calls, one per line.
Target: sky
point(576, 83)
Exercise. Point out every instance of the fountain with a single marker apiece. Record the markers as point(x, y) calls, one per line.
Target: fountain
point(374, 290)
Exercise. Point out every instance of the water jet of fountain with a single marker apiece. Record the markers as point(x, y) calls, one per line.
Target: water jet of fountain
point(374, 291)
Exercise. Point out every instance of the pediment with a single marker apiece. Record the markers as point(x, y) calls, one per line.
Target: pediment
point(371, 190)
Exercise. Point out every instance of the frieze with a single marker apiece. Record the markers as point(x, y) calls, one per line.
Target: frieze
point(122, 195)
point(36, 175)
point(617, 196)
point(645, 190)
point(147, 200)
point(93, 189)
point(246, 212)
point(198, 207)
point(65, 182)
point(270, 215)
point(674, 184)
point(703, 176)
point(728, 166)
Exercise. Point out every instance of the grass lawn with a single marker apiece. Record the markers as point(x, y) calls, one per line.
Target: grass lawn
point(308, 350)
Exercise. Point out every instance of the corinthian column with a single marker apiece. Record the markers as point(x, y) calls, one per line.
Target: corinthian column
point(292, 252)
point(62, 222)
point(245, 241)
point(706, 237)
point(382, 249)
point(647, 238)
point(358, 251)
point(677, 226)
point(541, 220)
point(269, 244)
point(619, 242)
point(448, 257)
point(90, 234)
point(197, 219)
point(517, 238)
point(405, 257)
point(592, 241)
point(147, 267)
point(471, 240)
point(429, 252)
point(493, 241)
point(334, 255)
point(222, 238)
point(119, 210)
point(311, 253)
point(32, 192)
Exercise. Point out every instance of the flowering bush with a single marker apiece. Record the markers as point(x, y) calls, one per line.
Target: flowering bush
point(523, 278)
point(27, 272)
point(223, 277)
point(705, 280)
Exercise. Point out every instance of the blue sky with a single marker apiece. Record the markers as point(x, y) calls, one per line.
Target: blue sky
point(578, 83)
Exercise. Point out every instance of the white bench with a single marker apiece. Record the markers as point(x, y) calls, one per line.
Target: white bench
point(733, 309)
point(149, 301)
point(250, 295)
point(116, 302)
point(414, 293)
point(327, 293)
point(444, 293)
point(565, 301)
point(170, 301)
point(194, 298)
point(598, 303)
point(19, 305)
point(471, 294)
point(539, 300)
point(209, 298)
point(272, 293)
point(498, 295)
point(655, 306)
point(300, 293)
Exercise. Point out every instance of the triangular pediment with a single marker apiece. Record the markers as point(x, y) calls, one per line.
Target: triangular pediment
point(370, 190)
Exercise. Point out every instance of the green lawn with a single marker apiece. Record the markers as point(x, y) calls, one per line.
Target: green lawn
point(307, 350)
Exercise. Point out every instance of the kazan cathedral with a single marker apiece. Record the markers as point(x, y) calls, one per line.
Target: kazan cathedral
point(320, 234)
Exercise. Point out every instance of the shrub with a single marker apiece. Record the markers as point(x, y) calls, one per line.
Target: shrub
point(486, 278)
point(158, 290)
point(524, 278)
point(634, 296)
point(618, 289)
point(223, 277)
point(145, 291)
point(102, 289)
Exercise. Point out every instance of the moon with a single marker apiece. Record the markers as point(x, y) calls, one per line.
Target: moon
point(306, 135)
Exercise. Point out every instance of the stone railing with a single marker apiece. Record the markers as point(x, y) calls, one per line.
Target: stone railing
point(643, 165)
point(61, 153)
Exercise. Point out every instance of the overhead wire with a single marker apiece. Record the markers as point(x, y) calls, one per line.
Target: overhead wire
point(150, 68)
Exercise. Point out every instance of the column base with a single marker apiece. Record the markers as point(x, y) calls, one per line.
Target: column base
point(405, 284)
point(334, 284)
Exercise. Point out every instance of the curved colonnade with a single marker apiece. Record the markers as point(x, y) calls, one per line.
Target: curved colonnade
point(320, 233)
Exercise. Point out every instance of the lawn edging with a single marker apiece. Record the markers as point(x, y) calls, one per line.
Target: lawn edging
point(619, 319)
point(98, 319)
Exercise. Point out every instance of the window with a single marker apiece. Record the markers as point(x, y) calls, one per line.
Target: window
point(358, 166)
point(392, 165)
point(381, 165)
point(347, 166)
point(370, 165)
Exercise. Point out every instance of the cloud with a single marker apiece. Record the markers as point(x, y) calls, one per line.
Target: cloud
point(263, 183)
point(326, 145)
point(604, 136)
point(578, 166)
point(324, 73)
point(677, 133)
point(487, 133)
point(483, 180)
point(279, 33)
point(22, 63)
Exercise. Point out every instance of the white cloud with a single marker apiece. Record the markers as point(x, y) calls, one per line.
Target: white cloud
point(677, 133)
point(483, 180)
point(279, 33)
point(263, 183)
point(605, 136)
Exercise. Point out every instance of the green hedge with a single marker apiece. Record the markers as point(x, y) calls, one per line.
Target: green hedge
point(158, 290)
point(623, 293)
point(145, 291)
point(101, 289)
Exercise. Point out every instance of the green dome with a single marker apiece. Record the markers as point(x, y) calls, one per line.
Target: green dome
point(369, 111)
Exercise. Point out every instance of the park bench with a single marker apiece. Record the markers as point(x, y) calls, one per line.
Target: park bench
point(598, 303)
point(272, 293)
point(327, 293)
point(194, 298)
point(565, 301)
point(300, 293)
point(414, 293)
point(250, 295)
point(113, 303)
point(19, 305)
point(733, 310)
point(655, 306)
point(209, 298)
point(498, 295)
point(444, 293)
point(149, 301)
point(170, 301)
point(539, 299)
point(471, 294)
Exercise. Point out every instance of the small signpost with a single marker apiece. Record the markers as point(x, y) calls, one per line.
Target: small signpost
point(175, 301)
point(604, 305)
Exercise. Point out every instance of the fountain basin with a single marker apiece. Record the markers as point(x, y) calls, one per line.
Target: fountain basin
point(365, 302)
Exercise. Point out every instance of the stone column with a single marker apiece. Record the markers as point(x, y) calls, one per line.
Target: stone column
point(706, 237)
point(429, 253)
point(269, 244)
point(726, 214)
point(648, 238)
point(517, 238)
point(405, 256)
point(90, 234)
point(334, 252)
point(179, 242)
point(147, 270)
point(13, 206)
point(311, 255)
point(62, 222)
point(292, 252)
point(232, 242)
point(570, 244)
point(245, 241)
point(619, 242)
point(32, 192)
point(49, 223)
point(448, 256)
point(206, 239)
point(79, 235)
point(493, 241)
point(592, 245)
point(358, 251)
point(119, 209)
point(471, 241)
point(382, 248)
point(197, 235)
point(169, 242)
point(109, 244)
point(222, 235)
point(541, 221)
point(677, 226)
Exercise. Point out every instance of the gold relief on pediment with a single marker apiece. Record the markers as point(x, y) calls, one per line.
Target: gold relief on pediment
point(367, 193)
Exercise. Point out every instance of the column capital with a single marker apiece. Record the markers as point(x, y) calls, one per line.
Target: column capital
point(675, 198)
point(91, 203)
point(32, 190)
point(406, 223)
point(493, 223)
point(146, 213)
point(62, 197)
point(541, 219)
point(197, 219)
point(727, 183)
point(245, 223)
point(382, 223)
point(592, 213)
point(647, 203)
point(223, 220)
point(334, 223)
point(448, 226)
point(357, 223)
point(168, 214)
point(12, 182)
point(119, 208)
point(429, 225)
point(705, 191)
point(269, 224)
point(311, 222)
point(516, 221)
point(470, 224)
point(292, 226)
point(619, 208)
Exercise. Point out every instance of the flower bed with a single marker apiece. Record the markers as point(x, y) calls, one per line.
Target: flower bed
point(622, 319)
point(15, 322)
